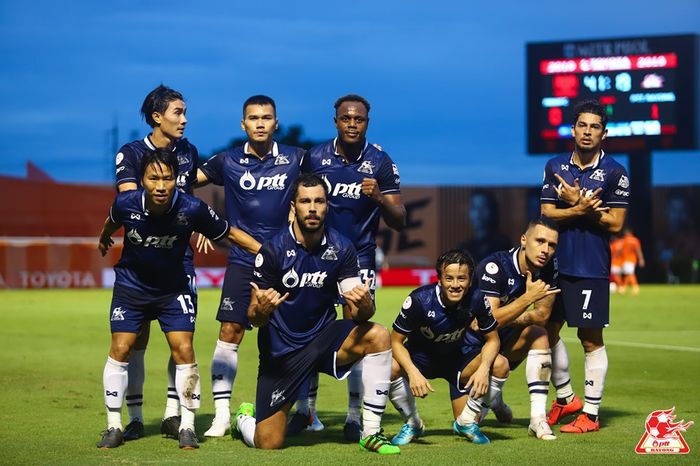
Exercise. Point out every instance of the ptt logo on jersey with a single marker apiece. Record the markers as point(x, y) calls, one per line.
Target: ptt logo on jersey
point(269, 183)
point(330, 254)
point(624, 182)
point(450, 337)
point(308, 279)
point(486, 278)
point(134, 236)
point(158, 242)
point(281, 160)
point(352, 190)
point(366, 167)
point(598, 174)
point(117, 314)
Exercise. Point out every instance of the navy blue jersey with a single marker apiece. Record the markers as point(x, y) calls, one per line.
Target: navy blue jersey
point(351, 212)
point(311, 278)
point(584, 247)
point(154, 245)
point(498, 275)
point(258, 191)
point(128, 162)
point(432, 327)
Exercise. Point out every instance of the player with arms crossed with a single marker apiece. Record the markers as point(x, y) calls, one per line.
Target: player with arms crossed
point(428, 342)
point(151, 282)
point(257, 179)
point(587, 194)
point(297, 276)
point(519, 287)
point(165, 111)
point(364, 185)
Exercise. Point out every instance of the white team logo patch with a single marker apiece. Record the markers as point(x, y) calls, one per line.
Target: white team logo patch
point(395, 169)
point(276, 397)
point(227, 304)
point(117, 314)
point(258, 260)
point(624, 182)
point(491, 268)
point(119, 158)
point(330, 254)
point(598, 175)
point(407, 302)
point(366, 167)
point(281, 160)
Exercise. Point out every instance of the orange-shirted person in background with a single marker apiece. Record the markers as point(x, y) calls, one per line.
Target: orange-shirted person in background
point(632, 257)
point(616, 282)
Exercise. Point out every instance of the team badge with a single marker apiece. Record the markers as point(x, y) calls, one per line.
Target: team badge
point(276, 397)
point(662, 435)
point(182, 160)
point(117, 313)
point(491, 268)
point(227, 304)
point(281, 160)
point(181, 219)
point(366, 167)
point(330, 254)
point(598, 175)
point(395, 169)
point(624, 182)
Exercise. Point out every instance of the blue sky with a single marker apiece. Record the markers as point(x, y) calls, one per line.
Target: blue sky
point(446, 80)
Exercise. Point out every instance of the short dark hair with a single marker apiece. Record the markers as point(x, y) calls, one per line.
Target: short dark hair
point(591, 106)
point(351, 98)
point(162, 156)
point(545, 222)
point(308, 180)
point(259, 100)
point(455, 256)
point(157, 101)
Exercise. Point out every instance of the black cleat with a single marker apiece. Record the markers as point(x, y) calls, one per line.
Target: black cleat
point(133, 431)
point(188, 439)
point(170, 427)
point(297, 423)
point(111, 438)
point(351, 431)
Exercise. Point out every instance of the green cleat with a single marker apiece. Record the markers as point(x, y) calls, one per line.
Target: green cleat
point(245, 409)
point(377, 443)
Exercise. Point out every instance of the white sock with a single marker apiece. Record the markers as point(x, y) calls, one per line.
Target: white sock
point(376, 378)
point(355, 385)
point(538, 372)
point(115, 378)
point(313, 393)
point(560, 372)
point(134, 390)
point(172, 404)
point(404, 402)
point(473, 408)
point(246, 426)
point(188, 389)
point(224, 366)
point(596, 367)
point(303, 394)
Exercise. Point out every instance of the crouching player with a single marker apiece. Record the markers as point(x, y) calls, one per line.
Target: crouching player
point(428, 342)
point(296, 279)
point(151, 283)
point(509, 283)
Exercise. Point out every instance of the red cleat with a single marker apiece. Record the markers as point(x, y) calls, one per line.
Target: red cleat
point(581, 425)
point(560, 411)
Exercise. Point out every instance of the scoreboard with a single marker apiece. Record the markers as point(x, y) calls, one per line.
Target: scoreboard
point(648, 86)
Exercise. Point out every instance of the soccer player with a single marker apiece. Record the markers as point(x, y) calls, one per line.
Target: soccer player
point(297, 276)
point(616, 260)
point(257, 179)
point(165, 112)
point(364, 185)
point(151, 282)
point(509, 283)
point(586, 193)
point(632, 256)
point(428, 342)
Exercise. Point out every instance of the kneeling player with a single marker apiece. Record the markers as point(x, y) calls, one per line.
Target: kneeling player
point(296, 279)
point(509, 282)
point(428, 342)
point(151, 283)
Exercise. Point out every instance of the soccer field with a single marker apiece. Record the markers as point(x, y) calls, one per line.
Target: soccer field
point(52, 407)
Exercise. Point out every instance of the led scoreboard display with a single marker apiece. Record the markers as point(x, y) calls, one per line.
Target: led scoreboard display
point(647, 84)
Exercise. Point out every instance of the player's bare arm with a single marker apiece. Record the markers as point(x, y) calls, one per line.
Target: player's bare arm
point(105, 240)
point(127, 186)
point(479, 380)
point(263, 303)
point(202, 179)
point(538, 314)
point(420, 386)
point(244, 240)
point(392, 208)
point(359, 300)
point(588, 204)
point(611, 220)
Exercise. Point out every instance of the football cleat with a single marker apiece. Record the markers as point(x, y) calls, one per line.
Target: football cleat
point(133, 431)
point(245, 409)
point(188, 439)
point(377, 443)
point(297, 423)
point(111, 438)
point(471, 432)
point(559, 411)
point(541, 430)
point(351, 431)
point(218, 427)
point(407, 434)
point(170, 427)
point(581, 425)
point(316, 424)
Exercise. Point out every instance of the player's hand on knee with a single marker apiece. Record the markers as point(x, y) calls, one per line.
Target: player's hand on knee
point(479, 381)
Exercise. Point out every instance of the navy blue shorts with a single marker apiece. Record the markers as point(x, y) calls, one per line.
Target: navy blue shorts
point(130, 308)
point(279, 379)
point(235, 295)
point(445, 366)
point(583, 302)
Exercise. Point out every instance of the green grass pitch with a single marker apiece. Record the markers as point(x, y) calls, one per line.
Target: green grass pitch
point(56, 341)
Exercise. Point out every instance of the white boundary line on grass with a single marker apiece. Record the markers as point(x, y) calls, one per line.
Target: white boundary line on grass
point(632, 344)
